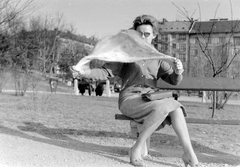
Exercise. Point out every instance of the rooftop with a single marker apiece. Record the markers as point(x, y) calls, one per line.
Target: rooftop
point(174, 26)
point(216, 26)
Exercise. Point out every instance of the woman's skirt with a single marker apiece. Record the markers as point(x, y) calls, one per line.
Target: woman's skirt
point(148, 113)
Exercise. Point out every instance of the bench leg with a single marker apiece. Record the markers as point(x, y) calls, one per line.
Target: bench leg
point(135, 128)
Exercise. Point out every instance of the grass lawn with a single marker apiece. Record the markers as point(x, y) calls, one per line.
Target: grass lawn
point(90, 119)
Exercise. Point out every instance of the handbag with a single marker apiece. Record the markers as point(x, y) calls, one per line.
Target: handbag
point(158, 95)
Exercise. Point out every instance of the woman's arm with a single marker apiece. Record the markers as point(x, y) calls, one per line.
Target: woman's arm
point(168, 74)
point(107, 71)
point(173, 79)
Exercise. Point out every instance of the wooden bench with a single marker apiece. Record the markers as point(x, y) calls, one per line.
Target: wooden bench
point(193, 84)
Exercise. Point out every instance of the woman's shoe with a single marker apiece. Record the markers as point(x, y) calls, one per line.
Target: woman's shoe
point(135, 162)
point(187, 161)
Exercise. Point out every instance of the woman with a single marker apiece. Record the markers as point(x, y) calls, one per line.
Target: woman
point(141, 77)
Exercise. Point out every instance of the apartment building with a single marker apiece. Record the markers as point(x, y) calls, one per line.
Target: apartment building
point(174, 39)
point(203, 44)
point(214, 43)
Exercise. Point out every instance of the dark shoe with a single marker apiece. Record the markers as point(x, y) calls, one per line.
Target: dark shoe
point(135, 162)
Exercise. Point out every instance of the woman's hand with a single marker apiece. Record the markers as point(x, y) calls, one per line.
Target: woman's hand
point(178, 67)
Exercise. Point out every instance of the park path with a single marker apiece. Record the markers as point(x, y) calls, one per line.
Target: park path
point(30, 151)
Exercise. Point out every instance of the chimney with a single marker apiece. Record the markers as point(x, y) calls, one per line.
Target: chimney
point(213, 19)
point(223, 19)
point(164, 20)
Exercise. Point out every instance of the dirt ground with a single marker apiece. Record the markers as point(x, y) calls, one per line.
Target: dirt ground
point(53, 130)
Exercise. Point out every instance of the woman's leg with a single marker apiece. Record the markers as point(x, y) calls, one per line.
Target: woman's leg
point(180, 127)
point(143, 136)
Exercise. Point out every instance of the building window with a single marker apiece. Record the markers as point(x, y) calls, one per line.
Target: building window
point(235, 52)
point(173, 36)
point(182, 37)
point(164, 37)
point(182, 47)
point(182, 57)
point(209, 40)
point(164, 48)
point(174, 46)
point(209, 52)
point(194, 52)
point(221, 40)
point(192, 41)
point(236, 40)
point(197, 40)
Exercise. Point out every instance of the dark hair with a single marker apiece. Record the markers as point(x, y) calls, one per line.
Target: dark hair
point(146, 20)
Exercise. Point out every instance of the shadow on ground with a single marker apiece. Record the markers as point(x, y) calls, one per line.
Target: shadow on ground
point(62, 138)
point(204, 153)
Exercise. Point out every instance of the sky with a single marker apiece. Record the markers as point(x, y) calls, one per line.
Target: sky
point(107, 17)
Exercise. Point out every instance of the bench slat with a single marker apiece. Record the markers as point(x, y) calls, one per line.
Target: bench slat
point(203, 83)
point(192, 120)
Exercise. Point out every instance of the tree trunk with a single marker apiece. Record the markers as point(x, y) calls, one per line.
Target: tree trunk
point(214, 103)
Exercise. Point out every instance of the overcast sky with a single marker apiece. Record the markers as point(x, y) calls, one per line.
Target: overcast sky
point(106, 17)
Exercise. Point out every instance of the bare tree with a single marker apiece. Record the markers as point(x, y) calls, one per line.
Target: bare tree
point(71, 51)
point(220, 57)
point(11, 22)
point(12, 15)
point(218, 47)
point(11, 11)
point(46, 31)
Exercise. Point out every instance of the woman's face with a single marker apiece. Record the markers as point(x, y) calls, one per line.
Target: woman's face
point(146, 32)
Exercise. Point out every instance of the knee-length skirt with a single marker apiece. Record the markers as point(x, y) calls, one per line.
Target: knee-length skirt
point(148, 113)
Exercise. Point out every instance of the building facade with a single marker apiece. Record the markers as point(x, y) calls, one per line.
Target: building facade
point(205, 48)
point(215, 48)
point(174, 39)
